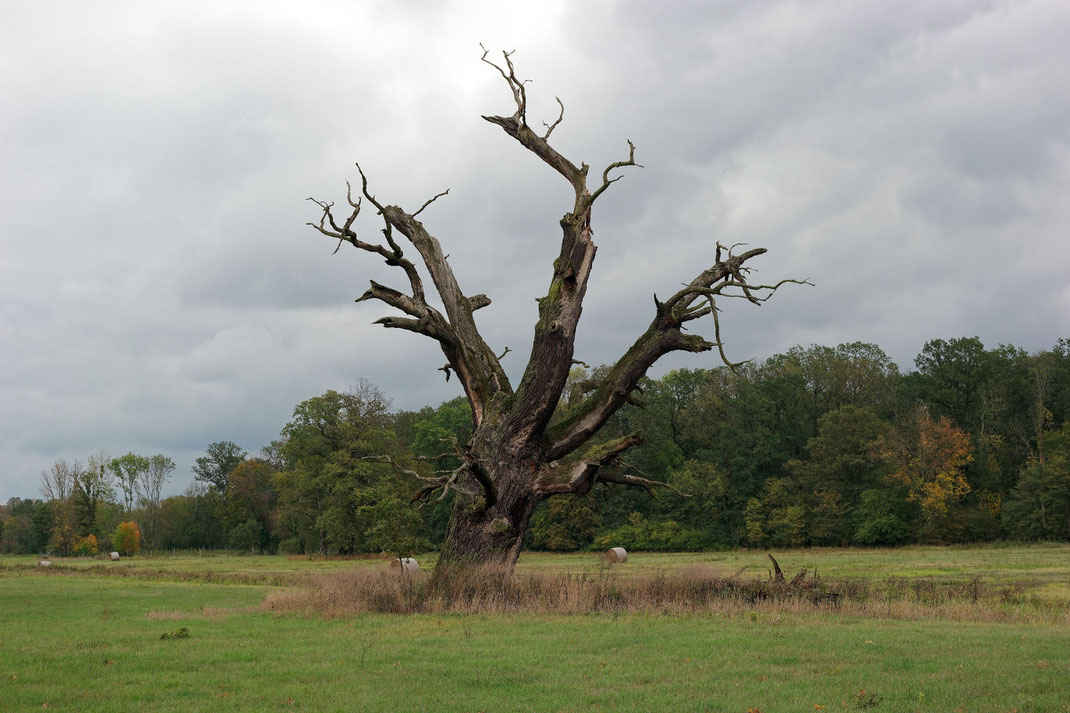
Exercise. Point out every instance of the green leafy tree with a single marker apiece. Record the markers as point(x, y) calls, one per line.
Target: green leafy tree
point(642, 534)
point(430, 433)
point(329, 447)
point(564, 525)
point(785, 519)
point(882, 517)
point(27, 526)
point(953, 376)
point(844, 459)
point(437, 428)
point(390, 523)
point(854, 374)
point(251, 498)
point(127, 471)
point(990, 394)
point(92, 488)
point(1059, 400)
point(1039, 507)
point(657, 414)
point(750, 424)
point(44, 524)
point(701, 498)
point(15, 534)
point(220, 459)
point(246, 536)
point(192, 520)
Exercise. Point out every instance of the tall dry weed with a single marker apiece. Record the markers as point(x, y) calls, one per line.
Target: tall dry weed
point(491, 590)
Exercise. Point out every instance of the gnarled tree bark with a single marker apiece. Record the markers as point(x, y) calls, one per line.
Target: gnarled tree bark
point(515, 457)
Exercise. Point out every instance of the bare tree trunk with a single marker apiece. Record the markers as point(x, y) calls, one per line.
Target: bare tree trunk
point(480, 534)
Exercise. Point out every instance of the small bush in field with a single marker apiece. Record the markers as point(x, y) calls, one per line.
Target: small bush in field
point(127, 538)
point(85, 546)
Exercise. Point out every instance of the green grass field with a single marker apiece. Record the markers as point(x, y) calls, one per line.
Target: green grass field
point(87, 641)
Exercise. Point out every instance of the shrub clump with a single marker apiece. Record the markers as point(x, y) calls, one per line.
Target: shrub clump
point(182, 633)
point(85, 546)
point(127, 538)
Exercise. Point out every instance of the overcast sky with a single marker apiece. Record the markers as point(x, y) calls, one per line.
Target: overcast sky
point(160, 291)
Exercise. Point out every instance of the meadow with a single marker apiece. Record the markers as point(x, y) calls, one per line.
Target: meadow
point(203, 632)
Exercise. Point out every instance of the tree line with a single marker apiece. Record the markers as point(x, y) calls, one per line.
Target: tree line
point(101, 502)
point(816, 446)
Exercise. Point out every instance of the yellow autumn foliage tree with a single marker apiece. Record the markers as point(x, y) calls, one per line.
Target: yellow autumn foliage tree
point(929, 456)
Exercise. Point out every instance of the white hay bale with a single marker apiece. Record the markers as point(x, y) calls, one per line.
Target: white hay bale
point(44, 563)
point(617, 555)
point(408, 564)
point(114, 556)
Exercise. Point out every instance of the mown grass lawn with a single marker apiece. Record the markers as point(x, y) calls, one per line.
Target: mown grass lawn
point(93, 644)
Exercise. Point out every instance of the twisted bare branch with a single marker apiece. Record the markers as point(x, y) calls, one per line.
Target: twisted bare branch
point(516, 86)
point(446, 482)
point(550, 127)
point(468, 355)
point(392, 255)
point(663, 335)
point(430, 200)
point(606, 180)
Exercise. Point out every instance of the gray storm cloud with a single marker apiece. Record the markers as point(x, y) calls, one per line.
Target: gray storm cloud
point(159, 289)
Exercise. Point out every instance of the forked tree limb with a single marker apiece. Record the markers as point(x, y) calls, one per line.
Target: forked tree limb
point(448, 481)
point(550, 127)
point(610, 475)
point(606, 180)
point(547, 371)
point(578, 477)
point(468, 355)
point(663, 335)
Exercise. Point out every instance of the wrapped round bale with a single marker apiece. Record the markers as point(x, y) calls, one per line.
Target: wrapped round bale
point(616, 555)
point(407, 564)
point(114, 556)
point(44, 563)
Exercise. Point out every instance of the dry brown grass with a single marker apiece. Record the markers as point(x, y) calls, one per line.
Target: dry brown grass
point(488, 590)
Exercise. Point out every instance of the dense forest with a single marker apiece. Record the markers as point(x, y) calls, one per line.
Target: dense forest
point(816, 446)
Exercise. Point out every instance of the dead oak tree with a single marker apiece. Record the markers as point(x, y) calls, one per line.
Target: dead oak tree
point(516, 457)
